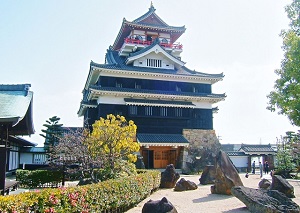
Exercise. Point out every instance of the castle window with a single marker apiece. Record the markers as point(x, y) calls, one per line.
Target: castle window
point(195, 89)
point(137, 86)
point(178, 112)
point(163, 111)
point(153, 63)
point(133, 110)
point(118, 84)
point(148, 110)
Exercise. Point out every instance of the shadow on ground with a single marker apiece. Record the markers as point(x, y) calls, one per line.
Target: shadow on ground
point(211, 197)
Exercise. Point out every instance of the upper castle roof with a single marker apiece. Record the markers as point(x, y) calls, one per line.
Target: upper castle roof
point(150, 21)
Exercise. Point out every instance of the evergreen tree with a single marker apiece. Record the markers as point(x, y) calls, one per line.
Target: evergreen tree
point(284, 158)
point(53, 132)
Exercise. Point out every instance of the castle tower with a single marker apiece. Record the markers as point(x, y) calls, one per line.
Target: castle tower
point(145, 80)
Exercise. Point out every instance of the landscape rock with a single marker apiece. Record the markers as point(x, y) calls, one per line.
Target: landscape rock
point(184, 185)
point(264, 184)
point(226, 175)
point(208, 175)
point(159, 206)
point(282, 185)
point(261, 200)
point(169, 177)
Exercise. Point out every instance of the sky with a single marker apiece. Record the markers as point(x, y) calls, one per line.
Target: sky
point(50, 44)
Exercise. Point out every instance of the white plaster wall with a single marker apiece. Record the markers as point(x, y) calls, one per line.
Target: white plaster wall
point(120, 101)
point(26, 158)
point(239, 161)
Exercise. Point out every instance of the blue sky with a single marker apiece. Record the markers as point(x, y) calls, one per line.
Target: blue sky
point(50, 44)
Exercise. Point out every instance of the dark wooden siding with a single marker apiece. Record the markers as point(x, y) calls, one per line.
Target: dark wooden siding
point(156, 123)
point(105, 81)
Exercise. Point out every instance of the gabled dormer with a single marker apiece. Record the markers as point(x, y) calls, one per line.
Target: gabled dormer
point(154, 56)
point(143, 31)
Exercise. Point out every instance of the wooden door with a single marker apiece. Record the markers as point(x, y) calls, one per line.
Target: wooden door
point(161, 158)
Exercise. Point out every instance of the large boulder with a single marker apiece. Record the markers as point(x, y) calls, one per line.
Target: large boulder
point(226, 175)
point(159, 206)
point(261, 200)
point(139, 164)
point(184, 185)
point(282, 185)
point(264, 184)
point(169, 177)
point(208, 175)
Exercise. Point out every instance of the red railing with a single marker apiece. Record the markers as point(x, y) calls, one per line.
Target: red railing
point(137, 41)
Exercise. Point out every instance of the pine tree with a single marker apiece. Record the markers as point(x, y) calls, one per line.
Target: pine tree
point(53, 132)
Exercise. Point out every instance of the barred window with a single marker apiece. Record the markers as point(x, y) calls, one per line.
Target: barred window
point(148, 110)
point(153, 63)
point(178, 112)
point(137, 86)
point(119, 84)
point(163, 111)
point(133, 110)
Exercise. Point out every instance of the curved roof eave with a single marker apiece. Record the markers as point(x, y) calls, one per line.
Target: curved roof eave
point(95, 73)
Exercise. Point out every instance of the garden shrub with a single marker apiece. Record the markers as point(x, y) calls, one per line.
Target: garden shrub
point(38, 178)
point(111, 195)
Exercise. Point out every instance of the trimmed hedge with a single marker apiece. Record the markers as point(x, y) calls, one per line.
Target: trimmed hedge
point(39, 178)
point(108, 196)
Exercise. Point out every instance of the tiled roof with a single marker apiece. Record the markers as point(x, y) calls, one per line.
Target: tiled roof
point(15, 101)
point(20, 141)
point(161, 27)
point(257, 148)
point(233, 153)
point(150, 12)
point(161, 92)
point(161, 138)
point(34, 149)
point(146, 101)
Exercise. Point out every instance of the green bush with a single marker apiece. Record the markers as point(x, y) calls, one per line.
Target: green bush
point(119, 194)
point(37, 178)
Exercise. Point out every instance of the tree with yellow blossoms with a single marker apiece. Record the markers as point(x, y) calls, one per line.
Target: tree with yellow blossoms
point(114, 139)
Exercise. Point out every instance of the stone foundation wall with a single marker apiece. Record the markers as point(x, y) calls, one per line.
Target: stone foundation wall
point(203, 145)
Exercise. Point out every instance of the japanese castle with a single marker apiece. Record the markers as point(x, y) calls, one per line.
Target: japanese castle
point(145, 80)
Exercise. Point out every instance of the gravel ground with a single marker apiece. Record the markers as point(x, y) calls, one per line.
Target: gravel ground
point(201, 199)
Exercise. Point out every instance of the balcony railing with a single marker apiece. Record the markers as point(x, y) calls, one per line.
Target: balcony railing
point(167, 45)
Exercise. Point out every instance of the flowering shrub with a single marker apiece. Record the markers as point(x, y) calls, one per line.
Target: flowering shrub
point(104, 196)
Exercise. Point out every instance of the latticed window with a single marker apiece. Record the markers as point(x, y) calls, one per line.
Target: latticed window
point(133, 110)
point(153, 63)
point(178, 112)
point(163, 111)
point(119, 84)
point(148, 110)
point(137, 86)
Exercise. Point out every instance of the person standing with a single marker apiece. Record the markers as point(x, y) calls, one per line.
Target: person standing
point(266, 167)
point(260, 169)
point(253, 167)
